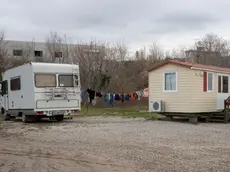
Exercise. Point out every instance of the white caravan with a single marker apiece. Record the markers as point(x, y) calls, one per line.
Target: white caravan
point(37, 90)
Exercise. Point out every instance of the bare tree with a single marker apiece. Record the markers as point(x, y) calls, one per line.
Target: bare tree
point(99, 63)
point(213, 43)
point(58, 48)
point(155, 52)
point(3, 54)
point(178, 53)
point(117, 55)
point(132, 75)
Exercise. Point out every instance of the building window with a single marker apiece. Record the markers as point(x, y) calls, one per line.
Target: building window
point(38, 53)
point(58, 54)
point(15, 84)
point(210, 82)
point(17, 52)
point(45, 80)
point(170, 81)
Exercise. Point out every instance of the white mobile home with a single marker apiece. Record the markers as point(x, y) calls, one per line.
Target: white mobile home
point(37, 90)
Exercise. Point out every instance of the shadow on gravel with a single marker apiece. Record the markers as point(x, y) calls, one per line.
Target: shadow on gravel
point(186, 120)
point(82, 120)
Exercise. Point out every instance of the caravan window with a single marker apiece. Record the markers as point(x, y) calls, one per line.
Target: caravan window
point(65, 80)
point(45, 80)
point(15, 84)
point(68, 80)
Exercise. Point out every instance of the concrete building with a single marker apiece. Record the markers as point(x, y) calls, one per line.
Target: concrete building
point(201, 56)
point(41, 51)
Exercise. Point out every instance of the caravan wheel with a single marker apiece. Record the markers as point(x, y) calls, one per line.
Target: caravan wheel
point(24, 118)
point(2, 111)
point(6, 116)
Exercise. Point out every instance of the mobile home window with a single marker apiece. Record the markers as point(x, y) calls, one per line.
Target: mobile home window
point(45, 80)
point(223, 84)
point(170, 81)
point(15, 84)
point(66, 81)
point(210, 81)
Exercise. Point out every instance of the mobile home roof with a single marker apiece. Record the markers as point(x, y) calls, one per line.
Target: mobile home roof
point(189, 65)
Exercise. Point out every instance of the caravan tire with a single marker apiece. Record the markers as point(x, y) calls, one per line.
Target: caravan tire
point(24, 118)
point(2, 111)
point(6, 116)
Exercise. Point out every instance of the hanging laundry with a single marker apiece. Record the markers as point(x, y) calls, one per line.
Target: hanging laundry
point(117, 97)
point(146, 92)
point(108, 98)
point(122, 98)
point(141, 93)
point(111, 99)
point(84, 95)
point(94, 102)
point(136, 96)
point(105, 99)
point(132, 96)
point(127, 96)
point(91, 94)
point(98, 94)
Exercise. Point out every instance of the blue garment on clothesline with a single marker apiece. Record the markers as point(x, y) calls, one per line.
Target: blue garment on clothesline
point(105, 99)
point(111, 99)
point(84, 95)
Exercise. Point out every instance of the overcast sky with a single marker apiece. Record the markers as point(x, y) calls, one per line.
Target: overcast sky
point(135, 22)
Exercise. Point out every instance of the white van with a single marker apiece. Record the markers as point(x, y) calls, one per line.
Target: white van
point(37, 90)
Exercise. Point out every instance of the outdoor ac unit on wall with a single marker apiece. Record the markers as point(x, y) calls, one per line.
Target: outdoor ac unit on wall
point(155, 106)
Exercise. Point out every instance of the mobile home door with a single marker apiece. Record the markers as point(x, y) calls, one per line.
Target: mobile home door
point(223, 90)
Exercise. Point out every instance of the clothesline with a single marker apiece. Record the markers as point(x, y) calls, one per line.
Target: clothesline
point(109, 98)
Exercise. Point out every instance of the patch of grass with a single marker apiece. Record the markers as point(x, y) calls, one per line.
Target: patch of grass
point(123, 112)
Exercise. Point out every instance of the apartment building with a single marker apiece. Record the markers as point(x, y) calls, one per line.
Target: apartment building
point(201, 56)
point(42, 51)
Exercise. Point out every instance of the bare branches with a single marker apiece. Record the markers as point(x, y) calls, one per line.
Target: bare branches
point(3, 53)
point(58, 48)
point(100, 63)
point(155, 52)
point(213, 43)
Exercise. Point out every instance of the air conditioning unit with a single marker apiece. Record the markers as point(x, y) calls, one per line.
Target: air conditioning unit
point(155, 106)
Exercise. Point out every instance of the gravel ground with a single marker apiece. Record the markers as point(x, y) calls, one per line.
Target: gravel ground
point(108, 144)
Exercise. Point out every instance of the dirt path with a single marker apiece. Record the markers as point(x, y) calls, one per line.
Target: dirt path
point(113, 144)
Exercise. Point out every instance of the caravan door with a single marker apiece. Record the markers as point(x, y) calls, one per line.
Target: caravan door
point(223, 90)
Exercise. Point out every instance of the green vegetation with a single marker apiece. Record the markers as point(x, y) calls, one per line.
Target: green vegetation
point(123, 112)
